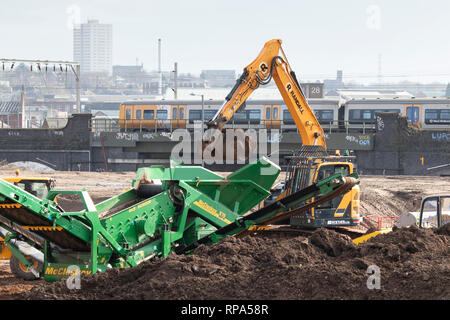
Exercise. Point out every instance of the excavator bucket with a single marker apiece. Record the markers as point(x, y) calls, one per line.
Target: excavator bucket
point(232, 144)
point(406, 220)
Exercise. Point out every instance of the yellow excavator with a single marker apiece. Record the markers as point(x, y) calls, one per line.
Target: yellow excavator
point(312, 163)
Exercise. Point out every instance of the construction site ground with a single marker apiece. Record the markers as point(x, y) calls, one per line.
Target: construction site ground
point(414, 264)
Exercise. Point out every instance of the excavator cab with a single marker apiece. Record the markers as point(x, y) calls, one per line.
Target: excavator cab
point(434, 211)
point(342, 210)
point(326, 170)
point(310, 166)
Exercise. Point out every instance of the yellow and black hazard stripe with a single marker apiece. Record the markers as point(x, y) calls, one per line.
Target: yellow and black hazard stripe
point(10, 205)
point(42, 228)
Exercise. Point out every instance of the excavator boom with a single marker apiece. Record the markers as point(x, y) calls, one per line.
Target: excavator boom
point(267, 65)
point(312, 160)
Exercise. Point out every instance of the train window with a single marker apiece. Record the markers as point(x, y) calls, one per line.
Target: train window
point(195, 114)
point(161, 114)
point(138, 114)
point(367, 115)
point(254, 114)
point(355, 114)
point(412, 113)
point(181, 113)
point(240, 115)
point(275, 113)
point(326, 115)
point(287, 117)
point(128, 114)
point(385, 110)
point(209, 114)
point(431, 114)
point(149, 114)
point(174, 113)
point(267, 113)
point(445, 114)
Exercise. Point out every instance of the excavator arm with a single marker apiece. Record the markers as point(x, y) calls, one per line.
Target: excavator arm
point(267, 65)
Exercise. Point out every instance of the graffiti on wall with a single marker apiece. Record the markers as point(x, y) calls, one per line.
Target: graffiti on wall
point(440, 136)
point(380, 124)
point(362, 140)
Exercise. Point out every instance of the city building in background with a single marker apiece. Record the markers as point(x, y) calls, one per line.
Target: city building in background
point(133, 74)
point(92, 47)
point(37, 96)
point(10, 114)
point(332, 85)
point(219, 78)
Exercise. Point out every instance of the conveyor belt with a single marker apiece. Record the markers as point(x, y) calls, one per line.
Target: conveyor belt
point(25, 217)
point(270, 213)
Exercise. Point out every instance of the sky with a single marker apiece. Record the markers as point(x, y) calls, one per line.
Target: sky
point(410, 38)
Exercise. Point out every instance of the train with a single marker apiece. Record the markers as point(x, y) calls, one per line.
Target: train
point(334, 114)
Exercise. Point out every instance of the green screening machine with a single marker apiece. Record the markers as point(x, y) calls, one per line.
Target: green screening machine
point(166, 209)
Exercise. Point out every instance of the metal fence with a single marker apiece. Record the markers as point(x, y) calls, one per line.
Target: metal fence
point(168, 125)
point(376, 222)
point(48, 123)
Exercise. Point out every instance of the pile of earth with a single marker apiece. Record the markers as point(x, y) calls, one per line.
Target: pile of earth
point(413, 264)
point(26, 165)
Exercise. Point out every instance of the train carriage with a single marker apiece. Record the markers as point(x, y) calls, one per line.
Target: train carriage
point(326, 111)
point(360, 114)
point(426, 113)
point(194, 112)
point(152, 115)
point(436, 114)
point(248, 116)
point(357, 115)
point(256, 114)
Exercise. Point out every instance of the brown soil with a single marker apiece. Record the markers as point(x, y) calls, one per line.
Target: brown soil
point(10, 286)
point(414, 264)
point(380, 195)
point(393, 195)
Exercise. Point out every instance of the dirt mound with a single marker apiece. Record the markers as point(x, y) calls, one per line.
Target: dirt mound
point(413, 264)
point(444, 230)
point(389, 202)
point(394, 195)
point(332, 243)
point(11, 286)
point(26, 165)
